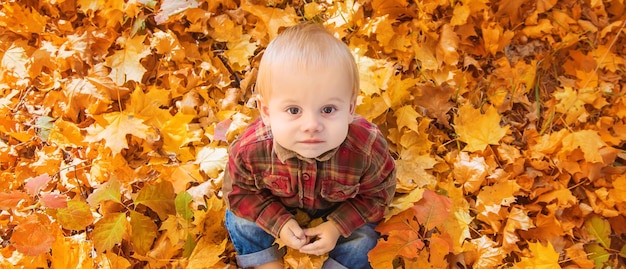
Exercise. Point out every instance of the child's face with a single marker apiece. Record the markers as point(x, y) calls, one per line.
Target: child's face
point(309, 112)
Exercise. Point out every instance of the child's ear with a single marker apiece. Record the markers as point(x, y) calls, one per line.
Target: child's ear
point(353, 107)
point(263, 110)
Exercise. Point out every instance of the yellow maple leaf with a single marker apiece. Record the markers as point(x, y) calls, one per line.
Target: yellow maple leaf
point(413, 173)
point(571, 102)
point(478, 130)
point(176, 136)
point(407, 117)
point(166, 43)
point(83, 94)
point(343, 15)
point(113, 128)
point(212, 160)
point(15, 60)
point(239, 52)
point(487, 252)
point(126, 63)
point(146, 106)
point(457, 226)
point(370, 107)
point(273, 19)
point(607, 59)
point(22, 19)
point(425, 53)
point(206, 253)
point(589, 141)
point(224, 29)
point(374, 74)
point(542, 257)
point(470, 171)
point(516, 220)
point(491, 198)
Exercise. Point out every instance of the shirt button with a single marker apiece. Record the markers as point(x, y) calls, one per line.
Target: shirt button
point(305, 176)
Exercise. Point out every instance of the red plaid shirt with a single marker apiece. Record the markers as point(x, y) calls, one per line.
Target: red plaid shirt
point(263, 180)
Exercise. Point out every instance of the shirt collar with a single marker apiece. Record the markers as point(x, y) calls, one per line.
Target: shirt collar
point(284, 154)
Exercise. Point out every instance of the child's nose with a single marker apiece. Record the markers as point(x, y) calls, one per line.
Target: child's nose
point(312, 123)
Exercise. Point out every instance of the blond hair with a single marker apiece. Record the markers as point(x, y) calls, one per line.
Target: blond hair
point(303, 46)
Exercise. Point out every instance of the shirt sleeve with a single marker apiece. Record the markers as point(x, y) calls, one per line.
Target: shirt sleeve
point(249, 202)
point(376, 190)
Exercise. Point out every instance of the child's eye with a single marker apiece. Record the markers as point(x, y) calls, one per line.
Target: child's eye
point(293, 110)
point(328, 109)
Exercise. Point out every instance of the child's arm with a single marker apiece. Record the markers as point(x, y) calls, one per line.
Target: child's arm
point(376, 190)
point(249, 202)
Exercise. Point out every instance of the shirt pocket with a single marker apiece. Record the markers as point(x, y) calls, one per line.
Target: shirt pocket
point(335, 191)
point(279, 185)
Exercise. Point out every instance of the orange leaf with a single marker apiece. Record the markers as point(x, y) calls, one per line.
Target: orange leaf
point(399, 243)
point(22, 20)
point(432, 210)
point(72, 252)
point(12, 199)
point(240, 51)
point(34, 235)
point(488, 253)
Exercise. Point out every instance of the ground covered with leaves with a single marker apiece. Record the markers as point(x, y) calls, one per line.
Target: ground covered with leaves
point(507, 120)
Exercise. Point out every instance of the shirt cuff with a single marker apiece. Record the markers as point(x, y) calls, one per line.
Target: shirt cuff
point(347, 219)
point(273, 218)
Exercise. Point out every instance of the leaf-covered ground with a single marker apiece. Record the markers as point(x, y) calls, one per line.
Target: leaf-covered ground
point(507, 120)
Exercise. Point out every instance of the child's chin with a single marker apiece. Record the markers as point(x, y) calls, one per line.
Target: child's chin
point(310, 153)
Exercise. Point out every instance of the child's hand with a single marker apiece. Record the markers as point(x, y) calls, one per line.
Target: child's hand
point(292, 235)
point(325, 235)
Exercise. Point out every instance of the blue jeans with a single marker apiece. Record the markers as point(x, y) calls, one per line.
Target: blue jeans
point(255, 247)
